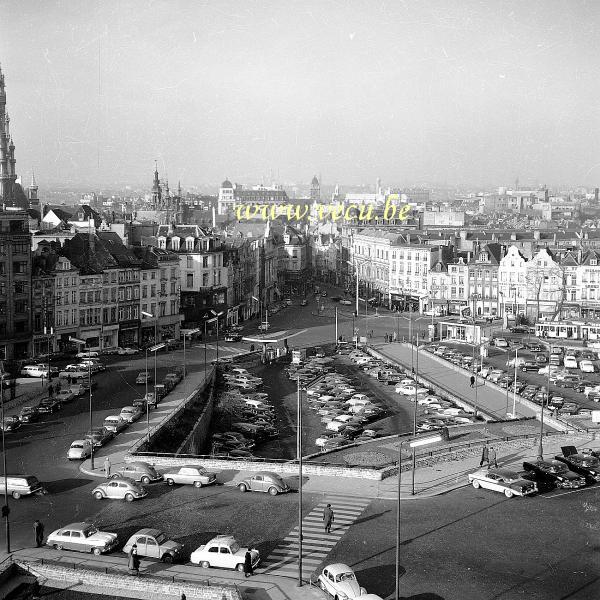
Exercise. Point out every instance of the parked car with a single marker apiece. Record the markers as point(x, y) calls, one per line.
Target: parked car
point(190, 475)
point(340, 582)
point(131, 413)
point(509, 482)
point(120, 488)
point(79, 450)
point(154, 544)
point(29, 414)
point(264, 481)
point(500, 343)
point(10, 423)
point(529, 366)
point(554, 472)
point(22, 485)
point(87, 354)
point(583, 464)
point(126, 351)
point(143, 378)
point(233, 337)
point(225, 552)
point(139, 471)
point(48, 405)
point(115, 423)
point(264, 326)
point(99, 436)
point(586, 366)
point(83, 537)
point(64, 395)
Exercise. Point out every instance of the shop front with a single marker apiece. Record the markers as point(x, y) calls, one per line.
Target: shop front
point(91, 337)
point(110, 336)
point(128, 333)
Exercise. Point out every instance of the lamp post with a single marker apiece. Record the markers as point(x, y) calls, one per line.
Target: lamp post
point(5, 508)
point(545, 398)
point(414, 456)
point(299, 453)
point(356, 277)
point(185, 333)
point(154, 349)
point(82, 342)
point(514, 410)
point(414, 444)
point(216, 318)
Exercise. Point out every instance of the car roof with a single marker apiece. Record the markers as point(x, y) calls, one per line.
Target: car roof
point(148, 531)
point(269, 474)
point(138, 463)
point(337, 568)
point(221, 539)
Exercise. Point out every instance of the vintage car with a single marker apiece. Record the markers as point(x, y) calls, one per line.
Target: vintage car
point(143, 377)
point(115, 423)
point(10, 424)
point(223, 551)
point(233, 337)
point(264, 481)
point(65, 395)
point(83, 537)
point(119, 488)
point(79, 450)
point(29, 414)
point(99, 436)
point(511, 483)
point(154, 544)
point(139, 471)
point(131, 413)
point(339, 581)
point(190, 475)
point(554, 472)
point(48, 405)
point(583, 464)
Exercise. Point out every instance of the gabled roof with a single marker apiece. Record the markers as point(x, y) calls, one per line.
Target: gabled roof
point(121, 253)
point(569, 259)
point(589, 256)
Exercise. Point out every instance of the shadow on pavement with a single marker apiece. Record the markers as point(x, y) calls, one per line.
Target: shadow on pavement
point(370, 517)
point(65, 485)
point(380, 579)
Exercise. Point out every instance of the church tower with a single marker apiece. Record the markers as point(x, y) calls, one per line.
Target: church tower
point(8, 174)
point(32, 193)
point(315, 190)
point(156, 190)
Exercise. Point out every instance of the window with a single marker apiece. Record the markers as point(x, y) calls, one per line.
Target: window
point(20, 266)
point(190, 280)
point(20, 248)
point(153, 290)
point(205, 279)
point(190, 262)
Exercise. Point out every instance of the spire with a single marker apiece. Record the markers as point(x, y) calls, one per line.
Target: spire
point(33, 183)
point(268, 229)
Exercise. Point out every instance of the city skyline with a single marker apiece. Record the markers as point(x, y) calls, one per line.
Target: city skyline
point(471, 94)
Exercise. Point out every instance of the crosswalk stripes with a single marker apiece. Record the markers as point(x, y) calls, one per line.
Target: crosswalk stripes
point(231, 349)
point(316, 543)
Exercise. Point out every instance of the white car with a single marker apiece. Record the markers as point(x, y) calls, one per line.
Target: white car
point(346, 302)
point(510, 483)
point(408, 390)
point(131, 413)
point(83, 537)
point(264, 326)
point(587, 366)
point(115, 423)
point(126, 351)
point(79, 450)
point(340, 582)
point(223, 551)
point(88, 354)
point(428, 400)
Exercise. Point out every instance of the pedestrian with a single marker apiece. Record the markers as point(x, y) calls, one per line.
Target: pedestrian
point(492, 457)
point(133, 562)
point(485, 456)
point(394, 337)
point(248, 570)
point(472, 380)
point(50, 391)
point(371, 334)
point(107, 467)
point(38, 528)
point(386, 338)
point(328, 518)
point(58, 386)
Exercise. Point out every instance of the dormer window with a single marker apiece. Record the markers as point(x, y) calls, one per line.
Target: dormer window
point(189, 243)
point(593, 262)
point(162, 242)
point(175, 243)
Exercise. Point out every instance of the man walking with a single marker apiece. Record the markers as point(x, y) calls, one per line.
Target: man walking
point(328, 518)
point(38, 529)
point(492, 457)
point(485, 456)
point(107, 467)
point(248, 570)
point(472, 380)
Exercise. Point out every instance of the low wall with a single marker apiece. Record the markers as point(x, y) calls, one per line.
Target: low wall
point(284, 468)
point(195, 442)
point(146, 584)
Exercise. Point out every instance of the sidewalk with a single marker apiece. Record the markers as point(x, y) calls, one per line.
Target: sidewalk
point(258, 586)
point(489, 400)
point(117, 448)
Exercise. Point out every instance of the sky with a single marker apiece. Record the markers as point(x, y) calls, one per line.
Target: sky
point(446, 92)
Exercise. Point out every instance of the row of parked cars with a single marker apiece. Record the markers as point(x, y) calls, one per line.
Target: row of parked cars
point(572, 469)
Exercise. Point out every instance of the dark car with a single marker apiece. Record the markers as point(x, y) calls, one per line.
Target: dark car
point(99, 436)
point(583, 464)
point(48, 405)
point(519, 329)
point(530, 366)
point(536, 347)
point(554, 472)
point(29, 414)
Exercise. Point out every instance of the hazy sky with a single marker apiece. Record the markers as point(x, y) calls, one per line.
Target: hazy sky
point(450, 91)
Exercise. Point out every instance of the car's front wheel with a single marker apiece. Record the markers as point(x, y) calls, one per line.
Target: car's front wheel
point(240, 567)
point(58, 547)
point(98, 495)
point(273, 491)
point(145, 480)
point(97, 551)
point(198, 484)
point(167, 558)
point(205, 564)
point(508, 493)
point(129, 497)
point(243, 487)
point(170, 482)
point(16, 495)
point(476, 484)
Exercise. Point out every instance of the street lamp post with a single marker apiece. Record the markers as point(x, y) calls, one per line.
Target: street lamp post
point(216, 318)
point(299, 453)
point(545, 399)
point(514, 410)
point(154, 349)
point(414, 444)
point(5, 508)
point(414, 456)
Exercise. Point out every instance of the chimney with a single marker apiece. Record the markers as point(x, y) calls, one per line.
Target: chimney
point(468, 257)
point(214, 218)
